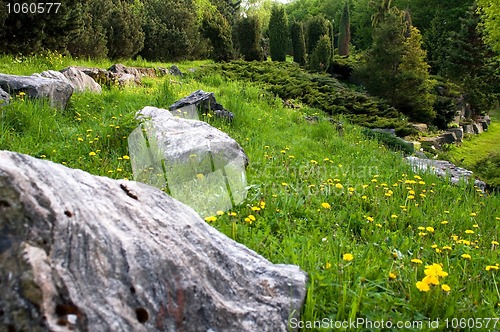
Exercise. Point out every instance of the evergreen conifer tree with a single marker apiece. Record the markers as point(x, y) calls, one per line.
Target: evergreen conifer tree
point(345, 31)
point(298, 43)
point(249, 36)
point(278, 33)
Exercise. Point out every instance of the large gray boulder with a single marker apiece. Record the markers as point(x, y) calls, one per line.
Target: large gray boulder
point(86, 253)
point(125, 75)
point(4, 98)
point(81, 81)
point(58, 92)
point(192, 161)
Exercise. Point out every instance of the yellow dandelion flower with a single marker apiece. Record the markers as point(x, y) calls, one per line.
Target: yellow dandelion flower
point(416, 261)
point(394, 216)
point(444, 222)
point(210, 219)
point(339, 186)
point(92, 153)
point(473, 214)
point(251, 217)
point(370, 219)
point(445, 288)
point(326, 205)
point(80, 139)
point(495, 243)
point(328, 265)
point(422, 286)
point(431, 279)
point(447, 212)
point(411, 197)
point(232, 214)
point(491, 267)
point(220, 213)
point(466, 256)
point(446, 248)
point(284, 184)
point(364, 197)
point(255, 208)
point(475, 226)
point(392, 275)
point(348, 257)
point(430, 229)
point(469, 231)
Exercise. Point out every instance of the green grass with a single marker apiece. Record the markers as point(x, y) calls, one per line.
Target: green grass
point(316, 194)
point(477, 147)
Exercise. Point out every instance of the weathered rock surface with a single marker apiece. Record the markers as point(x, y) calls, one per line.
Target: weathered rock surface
point(205, 101)
point(459, 133)
point(468, 129)
point(99, 75)
point(196, 163)
point(125, 75)
point(449, 137)
point(4, 98)
point(58, 92)
point(420, 127)
point(81, 81)
point(86, 253)
point(478, 128)
point(444, 169)
point(174, 70)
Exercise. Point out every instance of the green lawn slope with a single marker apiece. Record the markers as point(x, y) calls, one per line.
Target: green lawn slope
point(378, 241)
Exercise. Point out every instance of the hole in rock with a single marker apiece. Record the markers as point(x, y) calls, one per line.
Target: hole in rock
point(68, 213)
point(142, 315)
point(4, 204)
point(132, 289)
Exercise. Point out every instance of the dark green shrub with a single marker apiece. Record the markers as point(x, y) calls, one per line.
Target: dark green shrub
point(216, 28)
point(249, 35)
point(278, 33)
point(321, 56)
point(298, 43)
point(317, 27)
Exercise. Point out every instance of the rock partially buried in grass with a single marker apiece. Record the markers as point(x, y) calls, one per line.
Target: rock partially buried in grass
point(86, 253)
point(192, 161)
point(58, 92)
point(81, 81)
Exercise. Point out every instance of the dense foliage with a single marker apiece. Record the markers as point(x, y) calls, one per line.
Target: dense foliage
point(298, 43)
point(456, 40)
point(290, 82)
point(278, 34)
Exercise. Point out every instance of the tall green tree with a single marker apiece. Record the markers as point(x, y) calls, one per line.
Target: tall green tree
point(278, 33)
point(472, 64)
point(298, 43)
point(171, 30)
point(396, 70)
point(344, 31)
point(125, 37)
point(317, 27)
point(216, 28)
point(321, 57)
point(490, 22)
point(249, 36)
point(31, 32)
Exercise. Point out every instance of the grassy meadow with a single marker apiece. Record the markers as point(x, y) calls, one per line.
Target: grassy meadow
point(378, 241)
